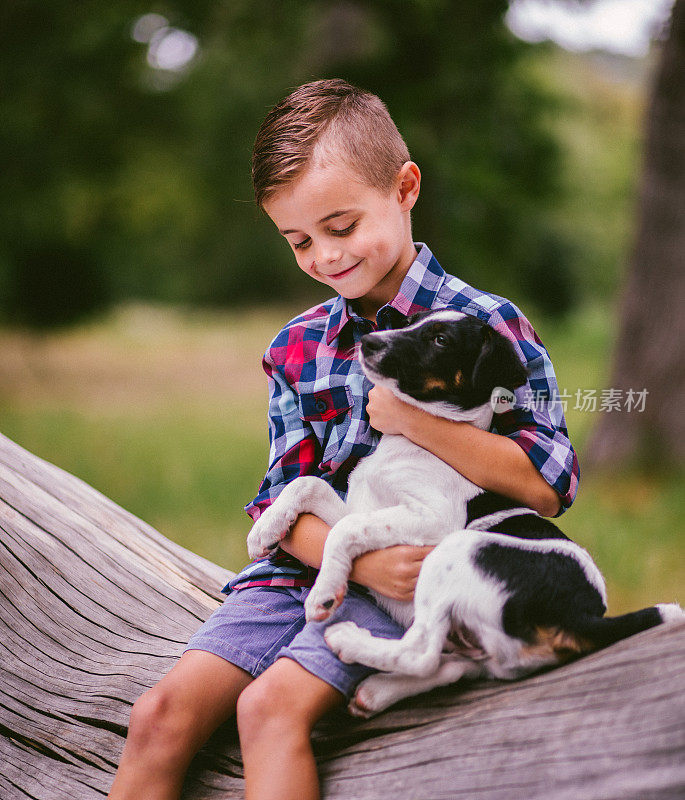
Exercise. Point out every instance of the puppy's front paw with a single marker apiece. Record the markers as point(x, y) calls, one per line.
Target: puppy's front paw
point(267, 532)
point(342, 638)
point(321, 602)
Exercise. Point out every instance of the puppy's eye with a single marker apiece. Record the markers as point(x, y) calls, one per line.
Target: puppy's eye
point(440, 340)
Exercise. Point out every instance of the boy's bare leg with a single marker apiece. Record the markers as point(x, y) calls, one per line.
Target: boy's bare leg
point(276, 714)
point(170, 723)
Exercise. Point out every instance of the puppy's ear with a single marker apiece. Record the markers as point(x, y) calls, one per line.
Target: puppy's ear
point(410, 320)
point(497, 364)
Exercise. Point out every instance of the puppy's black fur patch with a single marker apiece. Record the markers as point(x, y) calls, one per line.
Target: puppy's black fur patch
point(545, 589)
point(457, 361)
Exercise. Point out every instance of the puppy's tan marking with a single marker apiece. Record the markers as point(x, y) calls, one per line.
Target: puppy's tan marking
point(561, 644)
point(434, 383)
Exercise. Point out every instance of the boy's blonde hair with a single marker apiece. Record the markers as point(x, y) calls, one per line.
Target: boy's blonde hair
point(337, 120)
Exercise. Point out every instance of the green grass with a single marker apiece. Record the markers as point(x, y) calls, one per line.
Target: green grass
point(632, 524)
point(580, 347)
point(164, 412)
point(185, 472)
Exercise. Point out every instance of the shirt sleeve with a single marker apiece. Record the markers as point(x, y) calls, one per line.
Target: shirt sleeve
point(536, 422)
point(293, 447)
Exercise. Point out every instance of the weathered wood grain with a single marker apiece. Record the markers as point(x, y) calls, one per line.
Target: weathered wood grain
point(96, 606)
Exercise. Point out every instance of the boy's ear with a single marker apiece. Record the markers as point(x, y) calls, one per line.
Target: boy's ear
point(408, 185)
point(497, 363)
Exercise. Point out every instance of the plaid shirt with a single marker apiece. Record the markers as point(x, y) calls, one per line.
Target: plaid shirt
point(318, 394)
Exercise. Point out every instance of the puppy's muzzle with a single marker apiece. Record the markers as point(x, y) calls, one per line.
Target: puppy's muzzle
point(372, 345)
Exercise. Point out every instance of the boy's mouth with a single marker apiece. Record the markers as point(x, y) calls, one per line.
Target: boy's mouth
point(344, 273)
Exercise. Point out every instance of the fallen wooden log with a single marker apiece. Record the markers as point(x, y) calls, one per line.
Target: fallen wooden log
point(96, 606)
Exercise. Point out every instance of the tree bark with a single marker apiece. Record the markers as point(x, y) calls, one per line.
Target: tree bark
point(649, 352)
point(95, 606)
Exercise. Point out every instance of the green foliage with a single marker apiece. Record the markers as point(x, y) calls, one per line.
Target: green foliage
point(146, 171)
point(599, 132)
point(54, 285)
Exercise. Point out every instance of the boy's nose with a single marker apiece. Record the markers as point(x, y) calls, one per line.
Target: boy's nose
point(325, 254)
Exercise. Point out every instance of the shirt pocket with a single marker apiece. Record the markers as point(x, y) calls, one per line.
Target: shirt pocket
point(326, 404)
point(329, 412)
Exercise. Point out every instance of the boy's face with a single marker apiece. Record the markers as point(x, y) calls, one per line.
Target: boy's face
point(348, 235)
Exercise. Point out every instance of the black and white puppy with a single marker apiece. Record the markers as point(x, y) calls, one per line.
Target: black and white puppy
point(504, 593)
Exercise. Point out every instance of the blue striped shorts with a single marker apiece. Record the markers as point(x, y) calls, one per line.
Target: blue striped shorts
point(255, 626)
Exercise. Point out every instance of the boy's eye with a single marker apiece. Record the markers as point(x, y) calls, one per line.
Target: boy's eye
point(344, 231)
point(302, 245)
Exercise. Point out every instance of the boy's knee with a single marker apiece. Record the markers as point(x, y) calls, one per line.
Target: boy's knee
point(262, 703)
point(283, 703)
point(154, 718)
point(271, 706)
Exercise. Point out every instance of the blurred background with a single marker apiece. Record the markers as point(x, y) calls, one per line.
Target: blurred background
point(139, 285)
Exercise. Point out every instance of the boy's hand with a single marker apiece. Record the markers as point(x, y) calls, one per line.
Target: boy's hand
point(392, 571)
point(387, 413)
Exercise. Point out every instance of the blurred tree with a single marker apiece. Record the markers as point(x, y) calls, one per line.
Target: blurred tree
point(69, 112)
point(144, 170)
point(457, 86)
point(55, 284)
point(649, 351)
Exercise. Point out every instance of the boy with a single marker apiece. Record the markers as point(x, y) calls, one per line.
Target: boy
point(333, 173)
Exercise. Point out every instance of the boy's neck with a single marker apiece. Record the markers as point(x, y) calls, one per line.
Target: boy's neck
point(366, 310)
point(386, 290)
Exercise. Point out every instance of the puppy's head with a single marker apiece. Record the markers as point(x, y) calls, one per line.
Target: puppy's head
point(442, 359)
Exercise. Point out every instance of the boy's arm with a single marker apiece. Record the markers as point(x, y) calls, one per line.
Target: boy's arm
point(392, 571)
point(487, 459)
point(294, 451)
point(293, 447)
point(529, 456)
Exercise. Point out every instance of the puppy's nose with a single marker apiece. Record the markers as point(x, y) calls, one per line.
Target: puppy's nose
point(371, 344)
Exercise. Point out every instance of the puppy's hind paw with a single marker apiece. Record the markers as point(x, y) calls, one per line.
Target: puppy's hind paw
point(357, 708)
point(341, 638)
point(365, 703)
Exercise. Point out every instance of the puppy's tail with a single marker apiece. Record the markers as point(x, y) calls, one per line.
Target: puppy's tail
point(603, 631)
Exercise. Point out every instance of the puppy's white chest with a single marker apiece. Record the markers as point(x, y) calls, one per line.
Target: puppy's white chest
point(399, 472)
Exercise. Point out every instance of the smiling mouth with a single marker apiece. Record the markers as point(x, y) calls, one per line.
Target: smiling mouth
point(344, 272)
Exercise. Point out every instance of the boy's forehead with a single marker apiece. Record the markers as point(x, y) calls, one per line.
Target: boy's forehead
point(321, 193)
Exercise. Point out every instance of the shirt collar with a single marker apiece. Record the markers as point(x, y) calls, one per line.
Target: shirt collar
point(417, 293)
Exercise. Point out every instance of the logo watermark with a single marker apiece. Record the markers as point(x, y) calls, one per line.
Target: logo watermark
point(605, 401)
point(502, 400)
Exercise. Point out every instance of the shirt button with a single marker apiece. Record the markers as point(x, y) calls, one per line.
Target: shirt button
point(320, 406)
